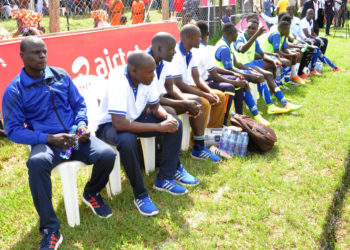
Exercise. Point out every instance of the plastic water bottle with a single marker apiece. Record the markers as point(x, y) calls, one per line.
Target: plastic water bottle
point(224, 143)
point(244, 144)
point(66, 153)
point(232, 142)
point(239, 143)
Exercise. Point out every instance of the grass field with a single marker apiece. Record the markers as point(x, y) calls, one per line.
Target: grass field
point(295, 196)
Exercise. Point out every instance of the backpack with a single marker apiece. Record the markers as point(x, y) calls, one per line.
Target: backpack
point(261, 137)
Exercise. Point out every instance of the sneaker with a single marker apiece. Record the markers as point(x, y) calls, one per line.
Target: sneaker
point(273, 109)
point(292, 107)
point(50, 240)
point(97, 205)
point(297, 80)
point(203, 153)
point(182, 176)
point(261, 120)
point(304, 77)
point(169, 186)
point(146, 206)
point(283, 86)
point(315, 73)
point(215, 150)
point(338, 70)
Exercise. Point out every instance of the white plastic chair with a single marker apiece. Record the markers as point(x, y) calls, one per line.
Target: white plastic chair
point(186, 131)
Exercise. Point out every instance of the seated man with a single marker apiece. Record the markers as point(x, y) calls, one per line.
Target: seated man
point(186, 77)
point(122, 120)
point(172, 98)
point(46, 100)
point(307, 24)
point(232, 84)
point(225, 57)
point(227, 17)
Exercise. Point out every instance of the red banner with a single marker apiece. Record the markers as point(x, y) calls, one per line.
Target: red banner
point(92, 52)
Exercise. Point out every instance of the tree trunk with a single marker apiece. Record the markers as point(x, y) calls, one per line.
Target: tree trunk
point(54, 13)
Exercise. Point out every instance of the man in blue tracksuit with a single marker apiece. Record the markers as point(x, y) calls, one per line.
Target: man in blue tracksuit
point(40, 106)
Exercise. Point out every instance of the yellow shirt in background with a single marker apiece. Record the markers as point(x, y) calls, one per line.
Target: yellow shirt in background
point(282, 5)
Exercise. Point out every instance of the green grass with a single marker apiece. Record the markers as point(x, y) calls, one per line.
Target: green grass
point(295, 196)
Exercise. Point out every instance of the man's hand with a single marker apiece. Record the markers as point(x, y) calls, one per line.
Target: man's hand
point(242, 84)
point(215, 96)
point(61, 140)
point(260, 31)
point(170, 125)
point(83, 134)
point(192, 107)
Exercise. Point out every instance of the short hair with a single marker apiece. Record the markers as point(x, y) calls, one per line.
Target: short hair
point(203, 26)
point(228, 28)
point(286, 18)
point(228, 8)
point(252, 16)
point(290, 6)
point(280, 15)
point(254, 22)
point(283, 25)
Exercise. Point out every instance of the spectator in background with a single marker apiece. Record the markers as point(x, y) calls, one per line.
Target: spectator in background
point(8, 5)
point(267, 8)
point(282, 6)
point(329, 10)
point(191, 7)
point(100, 18)
point(187, 19)
point(320, 19)
point(26, 20)
point(228, 12)
point(178, 4)
point(311, 4)
point(116, 11)
point(247, 6)
point(4, 34)
point(123, 20)
point(137, 12)
point(337, 7)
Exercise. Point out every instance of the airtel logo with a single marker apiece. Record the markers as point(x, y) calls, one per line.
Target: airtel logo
point(2, 63)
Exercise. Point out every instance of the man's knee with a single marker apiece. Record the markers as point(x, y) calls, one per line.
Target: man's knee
point(126, 141)
point(107, 154)
point(39, 162)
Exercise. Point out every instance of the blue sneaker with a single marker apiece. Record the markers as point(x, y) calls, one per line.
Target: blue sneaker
point(169, 186)
point(203, 153)
point(182, 176)
point(50, 240)
point(146, 206)
point(97, 204)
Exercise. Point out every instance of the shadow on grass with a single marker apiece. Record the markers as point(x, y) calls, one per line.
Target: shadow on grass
point(126, 228)
point(328, 238)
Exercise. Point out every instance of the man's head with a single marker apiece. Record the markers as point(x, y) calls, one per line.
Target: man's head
point(229, 31)
point(286, 18)
point(163, 46)
point(228, 10)
point(310, 14)
point(141, 67)
point(33, 54)
point(280, 16)
point(291, 10)
point(252, 17)
point(190, 36)
point(283, 28)
point(204, 28)
point(252, 27)
point(123, 20)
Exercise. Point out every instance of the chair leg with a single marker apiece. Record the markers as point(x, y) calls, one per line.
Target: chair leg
point(149, 153)
point(67, 171)
point(186, 132)
point(114, 185)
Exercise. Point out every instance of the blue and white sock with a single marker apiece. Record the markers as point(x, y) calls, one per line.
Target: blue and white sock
point(280, 97)
point(264, 92)
point(314, 60)
point(249, 100)
point(287, 70)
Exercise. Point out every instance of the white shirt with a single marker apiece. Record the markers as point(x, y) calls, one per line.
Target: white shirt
point(305, 24)
point(315, 9)
point(205, 59)
point(122, 98)
point(159, 81)
point(181, 68)
point(296, 29)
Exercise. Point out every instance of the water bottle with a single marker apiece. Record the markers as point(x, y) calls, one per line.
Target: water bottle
point(224, 143)
point(66, 153)
point(245, 144)
point(232, 142)
point(238, 148)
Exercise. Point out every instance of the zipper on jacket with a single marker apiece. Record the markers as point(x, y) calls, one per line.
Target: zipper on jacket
point(55, 109)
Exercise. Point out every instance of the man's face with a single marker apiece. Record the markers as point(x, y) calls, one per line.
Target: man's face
point(167, 51)
point(290, 11)
point(145, 74)
point(285, 31)
point(234, 35)
point(251, 29)
point(310, 14)
point(34, 56)
point(196, 40)
point(229, 12)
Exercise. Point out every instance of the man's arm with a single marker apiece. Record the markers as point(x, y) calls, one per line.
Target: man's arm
point(246, 46)
point(237, 82)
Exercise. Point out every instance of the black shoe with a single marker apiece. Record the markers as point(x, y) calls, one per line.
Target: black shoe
point(97, 205)
point(50, 240)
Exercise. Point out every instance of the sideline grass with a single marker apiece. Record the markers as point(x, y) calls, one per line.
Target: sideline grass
point(281, 199)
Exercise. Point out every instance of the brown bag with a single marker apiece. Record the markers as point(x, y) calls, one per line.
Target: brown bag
point(261, 137)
